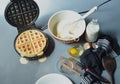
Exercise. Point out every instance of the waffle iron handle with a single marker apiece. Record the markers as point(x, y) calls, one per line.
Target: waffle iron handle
point(44, 27)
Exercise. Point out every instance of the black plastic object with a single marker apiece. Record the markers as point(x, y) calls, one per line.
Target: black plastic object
point(20, 13)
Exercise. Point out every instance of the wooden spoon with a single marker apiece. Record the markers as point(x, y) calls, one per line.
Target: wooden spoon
point(109, 65)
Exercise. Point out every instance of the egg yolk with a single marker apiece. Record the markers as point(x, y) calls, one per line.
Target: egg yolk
point(73, 51)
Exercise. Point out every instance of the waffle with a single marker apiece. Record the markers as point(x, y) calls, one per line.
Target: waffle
point(30, 43)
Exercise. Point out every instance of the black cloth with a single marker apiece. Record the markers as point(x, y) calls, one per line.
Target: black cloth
point(93, 60)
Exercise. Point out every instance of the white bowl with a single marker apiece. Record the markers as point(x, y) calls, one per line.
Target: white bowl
point(61, 18)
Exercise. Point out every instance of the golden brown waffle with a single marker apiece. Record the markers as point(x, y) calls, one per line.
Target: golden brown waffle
point(30, 43)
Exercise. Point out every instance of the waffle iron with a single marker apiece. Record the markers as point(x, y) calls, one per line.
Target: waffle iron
point(23, 14)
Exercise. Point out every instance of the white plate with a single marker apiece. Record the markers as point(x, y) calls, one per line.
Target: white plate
point(54, 79)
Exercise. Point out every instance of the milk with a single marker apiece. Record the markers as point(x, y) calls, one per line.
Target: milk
point(92, 31)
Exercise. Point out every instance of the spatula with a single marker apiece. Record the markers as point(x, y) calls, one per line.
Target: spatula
point(109, 65)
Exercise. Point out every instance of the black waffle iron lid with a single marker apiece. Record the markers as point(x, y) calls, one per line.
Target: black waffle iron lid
point(21, 13)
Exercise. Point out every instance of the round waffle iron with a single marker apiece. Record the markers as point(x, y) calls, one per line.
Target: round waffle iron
point(30, 43)
point(20, 13)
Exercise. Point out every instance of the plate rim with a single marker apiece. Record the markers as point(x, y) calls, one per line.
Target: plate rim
point(66, 78)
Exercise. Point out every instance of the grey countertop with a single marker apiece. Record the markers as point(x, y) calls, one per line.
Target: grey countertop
point(13, 72)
